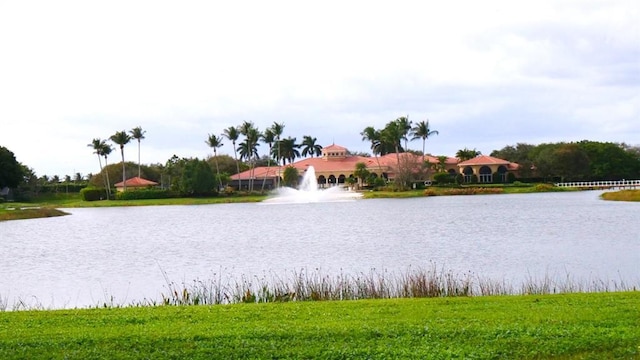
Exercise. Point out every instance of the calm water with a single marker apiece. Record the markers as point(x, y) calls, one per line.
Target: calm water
point(86, 258)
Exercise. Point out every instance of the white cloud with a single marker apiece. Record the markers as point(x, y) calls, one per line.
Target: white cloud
point(486, 74)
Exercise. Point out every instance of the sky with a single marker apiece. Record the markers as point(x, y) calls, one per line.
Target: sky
point(486, 74)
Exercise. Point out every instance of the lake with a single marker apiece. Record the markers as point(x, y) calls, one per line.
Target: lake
point(124, 253)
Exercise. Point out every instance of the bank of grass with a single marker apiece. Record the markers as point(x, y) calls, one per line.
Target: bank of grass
point(568, 326)
point(480, 189)
point(622, 195)
point(29, 213)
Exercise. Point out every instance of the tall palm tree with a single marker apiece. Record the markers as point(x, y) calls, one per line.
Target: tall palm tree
point(309, 146)
point(138, 134)
point(106, 150)
point(122, 138)
point(422, 131)
point(97, 145)
point(404, 124)
point(277, 129)
point(373, 136)
point(268, 137)
point(249, 147)
point(215, 142)
point(289, 150)
point(392, 135)
point(232, 134)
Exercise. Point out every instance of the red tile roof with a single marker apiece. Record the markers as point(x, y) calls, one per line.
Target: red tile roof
point(136, 182)
point(484, 160)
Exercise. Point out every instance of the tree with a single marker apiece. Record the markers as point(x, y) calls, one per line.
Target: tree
point(138, 134)
point(373, 136)
point(362, 173)
point(423, 131)
point(466, 154)
point(392, 135)
point(290, 176)
point(98, 145)
point(106, 151)
point(215, 142)
point(122, 138)
point(404, 125)
point(232, 134)
point(197, 178)
point(277, 129)
point(11, 173)
point(249, 147)
point(520, 154)
point(289, 150)
point(268, 137)
point(309, 146)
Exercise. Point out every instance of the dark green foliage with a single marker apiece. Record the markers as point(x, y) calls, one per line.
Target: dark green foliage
point(197, 178)
point(10, 169)
point(290, 176)
point(93, 194)
point(511, 177)
point(141, 194)
point(444, 178)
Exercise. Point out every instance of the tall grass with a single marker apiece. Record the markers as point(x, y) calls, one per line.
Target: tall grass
point(314, 285)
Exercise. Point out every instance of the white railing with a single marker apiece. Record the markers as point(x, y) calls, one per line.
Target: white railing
point(601, 184)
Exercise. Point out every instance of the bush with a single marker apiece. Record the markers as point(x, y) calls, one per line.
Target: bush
point(145, 194)
point(93, 194)
point(443, 178)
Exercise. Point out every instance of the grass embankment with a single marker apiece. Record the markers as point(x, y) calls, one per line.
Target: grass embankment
point(18, 213)
point(622, 195)
point(570, 326)
point(485, 189)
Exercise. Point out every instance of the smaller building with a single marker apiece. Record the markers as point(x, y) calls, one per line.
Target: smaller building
point(135, 183)
point(485, 168)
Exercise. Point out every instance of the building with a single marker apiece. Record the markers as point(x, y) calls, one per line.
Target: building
point(135, 183)
point(336, 165)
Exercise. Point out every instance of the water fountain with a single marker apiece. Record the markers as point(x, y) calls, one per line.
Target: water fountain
point(308, 192)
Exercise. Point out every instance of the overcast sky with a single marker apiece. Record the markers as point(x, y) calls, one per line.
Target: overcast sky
point(484, 73)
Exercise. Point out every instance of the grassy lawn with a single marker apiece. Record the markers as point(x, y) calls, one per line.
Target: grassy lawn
point(570, 326)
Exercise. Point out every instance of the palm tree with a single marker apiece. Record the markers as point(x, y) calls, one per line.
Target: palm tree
point(467, 154)
point(391, 135)
point(404, 124)
point(232, 134)
point(249, 147)
point(310, 148)
point(106, 150)
point(121, 138)
point(215, 142)
point(289, 150)
point(422, 131)
point(278, 129)
point(372, 135)
point(268, 137)
point(97, 145)
point(138, 134)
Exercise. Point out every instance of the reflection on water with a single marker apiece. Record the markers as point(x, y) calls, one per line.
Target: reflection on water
point(99, 253)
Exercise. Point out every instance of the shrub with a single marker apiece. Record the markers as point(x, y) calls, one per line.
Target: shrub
point(93, 194)
point(145, 194)
point(443, 178)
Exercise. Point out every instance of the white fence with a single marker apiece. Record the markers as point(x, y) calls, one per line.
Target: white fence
point(622, 184)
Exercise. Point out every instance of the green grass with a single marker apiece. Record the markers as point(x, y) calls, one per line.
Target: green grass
point(622, 195)
point(570, 326)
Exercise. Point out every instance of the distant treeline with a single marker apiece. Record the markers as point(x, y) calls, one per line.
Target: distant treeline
point(574, 161)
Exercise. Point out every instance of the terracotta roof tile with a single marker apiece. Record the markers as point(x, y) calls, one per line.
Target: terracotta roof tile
point(136, 182)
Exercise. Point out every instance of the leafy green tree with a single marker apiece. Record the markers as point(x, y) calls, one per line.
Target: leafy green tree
point(11, 174)
point(610, 161)
point(372, 135)
point(423, 131)
point(520, 154)
point(290, 176)
point(138, 134)
point(197, 178)
point(215, 143)
point(392, 134)
point(122, 138)
point(232, 134)
point(310, 146)
point(566, 161)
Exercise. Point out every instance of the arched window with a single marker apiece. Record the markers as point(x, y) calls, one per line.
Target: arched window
point(341, 179)
point(485, 174)
point(502, 172)
point(468, 174)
